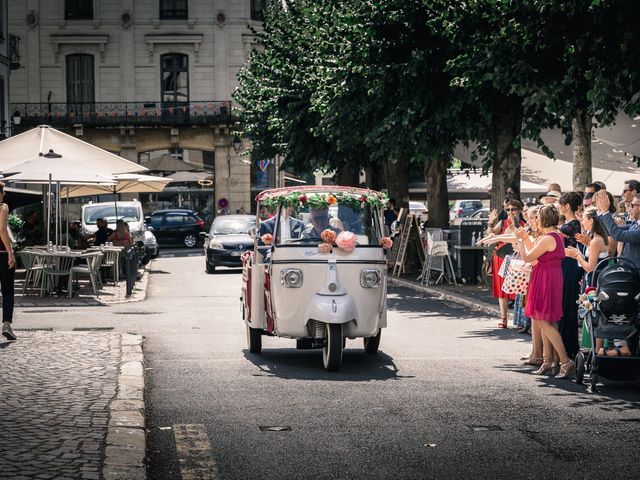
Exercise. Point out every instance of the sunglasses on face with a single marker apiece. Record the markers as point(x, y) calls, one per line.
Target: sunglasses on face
point(510, 209)
point(635, 204)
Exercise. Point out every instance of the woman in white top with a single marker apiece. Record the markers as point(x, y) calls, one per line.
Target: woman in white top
point(598, 247)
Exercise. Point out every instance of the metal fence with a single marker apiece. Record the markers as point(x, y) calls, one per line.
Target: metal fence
point(127, 113)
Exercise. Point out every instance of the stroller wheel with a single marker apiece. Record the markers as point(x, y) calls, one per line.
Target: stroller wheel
point(580, 367)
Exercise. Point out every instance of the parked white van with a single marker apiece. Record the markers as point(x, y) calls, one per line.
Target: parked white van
point(130, 212)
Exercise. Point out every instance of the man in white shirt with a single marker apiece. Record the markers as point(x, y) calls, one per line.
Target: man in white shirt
point(290, 228)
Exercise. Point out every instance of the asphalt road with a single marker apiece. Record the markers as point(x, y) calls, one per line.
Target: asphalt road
point(444, 398)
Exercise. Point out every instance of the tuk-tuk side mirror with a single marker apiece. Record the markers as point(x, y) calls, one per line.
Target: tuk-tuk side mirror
point(395, 226)
point(253, 232)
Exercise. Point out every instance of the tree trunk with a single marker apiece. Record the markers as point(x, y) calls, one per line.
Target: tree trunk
point(505, 142)
point(373, 177)
point(437, 193)
point(581, 126)
point(348, 176)
point(397, 174)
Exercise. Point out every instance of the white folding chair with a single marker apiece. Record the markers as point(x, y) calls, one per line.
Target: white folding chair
point(91, 269)
point(438, 254)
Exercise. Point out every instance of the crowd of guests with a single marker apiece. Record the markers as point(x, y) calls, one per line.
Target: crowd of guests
point(563, 238)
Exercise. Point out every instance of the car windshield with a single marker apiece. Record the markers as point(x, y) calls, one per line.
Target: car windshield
point(304, 227)
point(232, 226)
point(108, 213)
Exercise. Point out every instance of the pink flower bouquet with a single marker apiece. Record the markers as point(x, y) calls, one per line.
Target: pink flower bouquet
point(386, 242)
point(328, 236)
point(346, 241)
point(324, 248)
point(267, 239)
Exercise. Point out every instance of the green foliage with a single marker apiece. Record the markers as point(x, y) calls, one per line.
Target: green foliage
point(356, 83)
point(355, 201)
point(16, 224)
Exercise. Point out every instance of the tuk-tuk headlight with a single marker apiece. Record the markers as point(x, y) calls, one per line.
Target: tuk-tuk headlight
point(291, 278)
point(369, 278)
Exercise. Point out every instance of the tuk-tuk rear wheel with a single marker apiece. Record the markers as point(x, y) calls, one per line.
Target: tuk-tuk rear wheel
point(332, 350)
point(371, 344)
point(254, 339)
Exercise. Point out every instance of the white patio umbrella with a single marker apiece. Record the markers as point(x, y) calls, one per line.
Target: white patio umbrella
point(50, 168)
point(126, 183)
point(40, 140)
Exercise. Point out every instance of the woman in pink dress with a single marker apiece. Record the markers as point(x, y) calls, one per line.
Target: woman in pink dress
point(544, 302)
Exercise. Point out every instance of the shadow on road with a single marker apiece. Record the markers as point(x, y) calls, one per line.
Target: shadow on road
point(415, 304)
point(357, 366)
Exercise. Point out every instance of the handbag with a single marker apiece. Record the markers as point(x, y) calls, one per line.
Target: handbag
point(517, 278)
point(504, 267)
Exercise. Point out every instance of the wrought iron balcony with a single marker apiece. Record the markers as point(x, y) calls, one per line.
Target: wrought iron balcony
point(205, 113)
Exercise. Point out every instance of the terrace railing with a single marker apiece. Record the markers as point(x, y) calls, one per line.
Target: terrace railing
point(125, 113)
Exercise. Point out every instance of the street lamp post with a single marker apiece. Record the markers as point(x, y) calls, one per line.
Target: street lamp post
point(236, 143)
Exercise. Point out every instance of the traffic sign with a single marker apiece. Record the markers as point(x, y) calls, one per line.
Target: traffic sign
point(223, 203)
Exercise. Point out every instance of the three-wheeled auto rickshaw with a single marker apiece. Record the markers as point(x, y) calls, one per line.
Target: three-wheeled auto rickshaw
point(318, 270)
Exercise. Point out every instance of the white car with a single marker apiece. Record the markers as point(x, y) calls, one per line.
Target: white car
point(419, 209)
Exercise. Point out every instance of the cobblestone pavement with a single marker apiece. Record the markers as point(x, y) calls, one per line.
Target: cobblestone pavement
point(55, 390)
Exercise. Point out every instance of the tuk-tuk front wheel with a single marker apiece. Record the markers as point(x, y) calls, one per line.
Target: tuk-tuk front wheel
point(332, 350)
point(254, 339)
point(371, 344)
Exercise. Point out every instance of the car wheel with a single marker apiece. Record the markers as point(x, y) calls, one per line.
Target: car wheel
point(190, 240)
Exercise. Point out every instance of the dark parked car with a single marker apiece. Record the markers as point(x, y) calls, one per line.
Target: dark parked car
point(228, 238)
point(177, 227)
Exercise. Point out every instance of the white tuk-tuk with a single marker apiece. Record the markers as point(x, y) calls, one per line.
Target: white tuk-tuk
point(318, 270)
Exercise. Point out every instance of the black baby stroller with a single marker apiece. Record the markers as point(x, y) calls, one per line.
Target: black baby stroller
point(614, 316)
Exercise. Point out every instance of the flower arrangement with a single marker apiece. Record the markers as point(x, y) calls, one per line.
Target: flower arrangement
point(346, 241)
point(328, 236)
point(267, 239)
point(386, 242)
point(325, 248)
point(355, 201)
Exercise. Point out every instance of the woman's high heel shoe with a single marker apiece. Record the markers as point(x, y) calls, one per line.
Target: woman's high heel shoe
point(545, 369)
point(533, 362)
point(567, 369)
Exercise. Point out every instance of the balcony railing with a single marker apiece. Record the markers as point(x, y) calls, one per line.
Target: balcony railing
point(125, 114)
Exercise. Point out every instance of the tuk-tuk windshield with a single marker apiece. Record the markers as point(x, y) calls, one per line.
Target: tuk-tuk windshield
point(304, 226)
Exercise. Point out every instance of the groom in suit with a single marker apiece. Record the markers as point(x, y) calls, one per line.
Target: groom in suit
point(290, 228)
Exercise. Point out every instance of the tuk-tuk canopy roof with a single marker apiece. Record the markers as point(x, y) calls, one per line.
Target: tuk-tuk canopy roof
point(281, 192)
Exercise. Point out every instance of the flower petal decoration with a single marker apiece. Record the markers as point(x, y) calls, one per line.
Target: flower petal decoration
point(328, 236)
point(386, 242)
point(324, 248)
point(267, 239)
point(346, 241)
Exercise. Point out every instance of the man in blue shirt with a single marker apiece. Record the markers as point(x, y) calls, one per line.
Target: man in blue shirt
point(628, 234)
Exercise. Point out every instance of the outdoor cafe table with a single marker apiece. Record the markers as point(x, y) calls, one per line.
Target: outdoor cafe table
point(53, 260)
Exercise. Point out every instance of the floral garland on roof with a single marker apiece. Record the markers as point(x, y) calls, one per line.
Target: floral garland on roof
point(355, 201)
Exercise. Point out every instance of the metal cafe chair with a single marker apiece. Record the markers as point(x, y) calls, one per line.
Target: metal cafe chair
point(91, 268)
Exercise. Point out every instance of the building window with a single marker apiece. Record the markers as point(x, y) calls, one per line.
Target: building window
point(174, 71)
point(78, 9)
point(257, 9)
point(173, 10)
point(80, 81)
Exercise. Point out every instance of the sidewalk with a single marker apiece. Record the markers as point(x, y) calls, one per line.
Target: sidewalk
point(72, 406)
point(474, 297)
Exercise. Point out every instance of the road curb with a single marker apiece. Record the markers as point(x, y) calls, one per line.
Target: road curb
point(125, 451)
point(446, 296)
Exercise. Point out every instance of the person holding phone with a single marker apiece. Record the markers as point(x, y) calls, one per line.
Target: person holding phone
point(513, 209)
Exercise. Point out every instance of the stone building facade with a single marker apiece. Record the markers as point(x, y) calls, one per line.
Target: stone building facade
point(137, 77)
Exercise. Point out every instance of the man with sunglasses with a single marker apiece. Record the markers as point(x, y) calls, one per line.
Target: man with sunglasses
point(7, 269)
point(629, 234)
point(630, 189)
